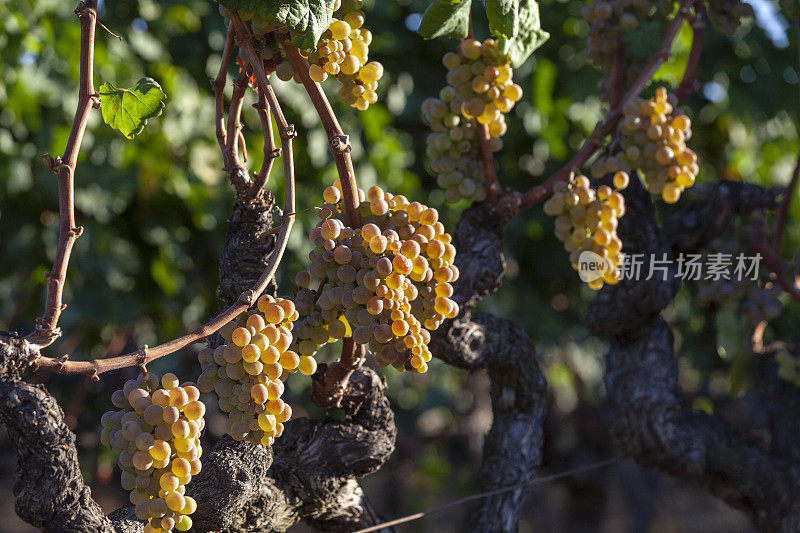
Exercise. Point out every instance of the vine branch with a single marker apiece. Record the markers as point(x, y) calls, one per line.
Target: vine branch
point(688, 83)
point(487, 162)
point(46, 330)
point(783, 208)
point(339, 142)
point(605, 127)
point(353, 355)
point(219, 95)
point(271, 152)
point(287, 132)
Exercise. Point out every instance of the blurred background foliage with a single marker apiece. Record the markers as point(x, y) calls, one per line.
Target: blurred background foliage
point(154, 211)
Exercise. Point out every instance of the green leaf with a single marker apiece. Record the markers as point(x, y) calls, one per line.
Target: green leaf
point(308, 19)
point(503, 17)
point(446, 18)
point(530, 35)
point(127, 110)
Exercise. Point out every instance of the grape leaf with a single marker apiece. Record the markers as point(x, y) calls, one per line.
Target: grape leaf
point(127, 110)
point(530, 35)
point(503, 17)
point(308, 19)
point(445, 18)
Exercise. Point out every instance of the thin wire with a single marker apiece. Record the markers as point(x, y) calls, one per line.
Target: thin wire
point(523, 486)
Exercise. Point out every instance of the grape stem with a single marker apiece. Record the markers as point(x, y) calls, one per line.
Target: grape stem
point(287, 133)
point(617, 76)
point(271, 152)
point(236, 171)
point(783, 208)
point(772, 260)
point(487, 157)
point(353, 355)
point(487, 162)
point(219, 95)
point(688, 83)
point(339, 142)
point(605, 127)
point(46, 330)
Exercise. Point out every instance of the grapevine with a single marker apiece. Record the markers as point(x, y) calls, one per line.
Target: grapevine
point(155, 434)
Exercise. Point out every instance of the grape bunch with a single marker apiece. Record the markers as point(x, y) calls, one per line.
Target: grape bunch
point(247, 373)
point(156, 434)
point(386, 284)
point(480, 90)
point(452, 146)
point(481, 78)
point(611, 20)
point(653, 139)
point(727, 15)
point(586, 220)
point(343, 52)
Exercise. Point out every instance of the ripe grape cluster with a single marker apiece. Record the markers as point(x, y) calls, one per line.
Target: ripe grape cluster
point(586, 220)
point(386, 284)
point(610, 20)
point(247, 373)
point(156, 434)
point(653, 139)
point(451, 149)
point(480, 90)
point(343, 52)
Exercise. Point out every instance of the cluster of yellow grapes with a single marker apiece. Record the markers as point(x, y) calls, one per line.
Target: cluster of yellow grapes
point(386, 284)
point(610, 20)
point(479, 91)
point(653, 139)
point(156, 434)
point(247, 373)
point(587, 221)
point(343, 52)
point(481, 78)
point(452, 146)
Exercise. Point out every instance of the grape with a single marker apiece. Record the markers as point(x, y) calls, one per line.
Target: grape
point(612, 20)
point(343, 52)
point(371, 289)
point(653, 139)
point(728, 15)
point(154, 431)
point(586, 220)
point(248, 376)
point(479, 91)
